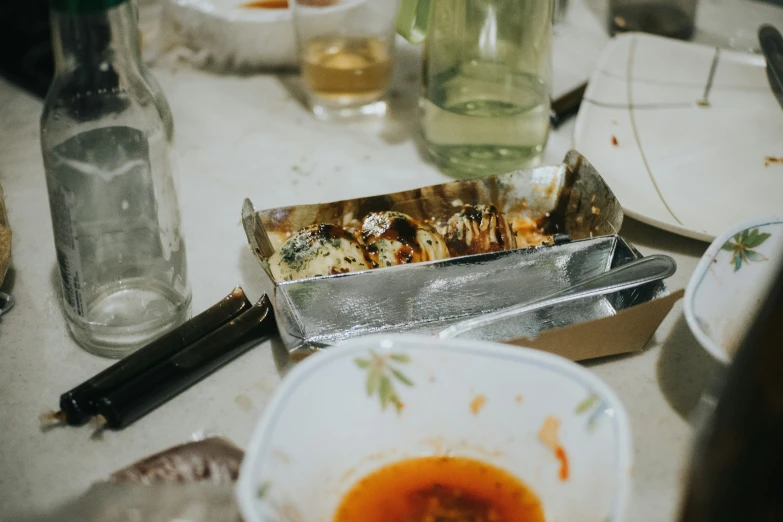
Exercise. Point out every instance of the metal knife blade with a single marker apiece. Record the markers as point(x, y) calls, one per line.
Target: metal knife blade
point(772, 46)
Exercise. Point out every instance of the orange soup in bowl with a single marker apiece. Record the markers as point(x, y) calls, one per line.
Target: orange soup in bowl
point(427, 489)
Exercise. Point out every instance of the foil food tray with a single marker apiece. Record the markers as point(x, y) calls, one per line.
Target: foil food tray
point(571, 195)
point(428, 297)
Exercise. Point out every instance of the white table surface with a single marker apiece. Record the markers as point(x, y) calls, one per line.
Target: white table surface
point(249, 136)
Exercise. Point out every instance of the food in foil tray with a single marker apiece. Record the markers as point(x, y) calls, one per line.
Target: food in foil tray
point(478, 229)
point(391, 238)
point(394, 238)
point(319, 250)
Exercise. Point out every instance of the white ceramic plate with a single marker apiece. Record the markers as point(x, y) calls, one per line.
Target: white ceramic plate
point(697, 152)
point(731, 282)
point(322, 431)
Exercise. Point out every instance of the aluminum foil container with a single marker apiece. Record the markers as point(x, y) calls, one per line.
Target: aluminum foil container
point(427, 297)
point(573, 194)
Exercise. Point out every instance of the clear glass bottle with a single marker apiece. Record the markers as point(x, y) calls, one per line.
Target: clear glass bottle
point(106, 138)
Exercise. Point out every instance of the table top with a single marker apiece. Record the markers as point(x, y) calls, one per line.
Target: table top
point(251, 137)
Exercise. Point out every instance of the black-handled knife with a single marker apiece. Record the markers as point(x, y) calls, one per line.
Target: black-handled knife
point(772, 46)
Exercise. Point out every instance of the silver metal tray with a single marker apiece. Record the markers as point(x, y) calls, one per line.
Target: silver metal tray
point(427, 297)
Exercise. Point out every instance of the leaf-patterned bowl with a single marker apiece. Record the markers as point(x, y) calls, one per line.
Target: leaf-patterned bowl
point(730, 282)
point(351, 409)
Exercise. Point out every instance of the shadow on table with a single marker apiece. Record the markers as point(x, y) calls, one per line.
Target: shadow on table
point(687, 375)
point(292, 83)
point(57, 291)
point(9, 280)
point(599, 8)
point(641, 234)
point(8, 288)
point(608, 359)
point(685, 371)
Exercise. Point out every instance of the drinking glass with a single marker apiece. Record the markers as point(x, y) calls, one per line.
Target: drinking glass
point(346, 52)
point(487, 81)
point(672, 18)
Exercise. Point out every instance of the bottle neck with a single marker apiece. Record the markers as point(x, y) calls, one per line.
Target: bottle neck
point(100, 39)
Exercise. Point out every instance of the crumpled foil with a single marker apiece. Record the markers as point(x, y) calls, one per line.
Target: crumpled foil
point(212, 460)
point(573, 194)
point(138, 503)
point(193, 482)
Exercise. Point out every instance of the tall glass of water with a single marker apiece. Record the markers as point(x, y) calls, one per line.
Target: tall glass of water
point(487, 78)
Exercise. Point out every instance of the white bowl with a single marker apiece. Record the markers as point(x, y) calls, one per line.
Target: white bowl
point(322, 431)
point(726, 289)
point(223, 35)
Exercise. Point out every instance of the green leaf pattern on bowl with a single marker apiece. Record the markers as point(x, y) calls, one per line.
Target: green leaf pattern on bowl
point(381, 376)
point(594, 404)
point(742, 247)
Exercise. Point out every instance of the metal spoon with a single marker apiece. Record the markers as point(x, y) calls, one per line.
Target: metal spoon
point(630, 275)
point(772, 46)
point(6, 303)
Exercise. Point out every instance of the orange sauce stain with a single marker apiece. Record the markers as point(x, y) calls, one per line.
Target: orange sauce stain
point(477, 403)
point(563, 458)
point(549, 437)
point(267, 4)
point(614, 141)
point(548, 433)
point(440, 488)
point(518, 398)
point(769, 160)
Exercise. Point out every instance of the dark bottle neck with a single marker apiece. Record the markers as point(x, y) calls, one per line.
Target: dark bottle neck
point(103, 40)
point(736, 473)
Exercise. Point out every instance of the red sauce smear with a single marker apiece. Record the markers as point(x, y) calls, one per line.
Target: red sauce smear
point(563, 458)
point(267, 4)
point(439, 488)
point(548, 436)
point(614, 141)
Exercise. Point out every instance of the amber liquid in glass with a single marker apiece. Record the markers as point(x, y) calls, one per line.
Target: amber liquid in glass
point(348, 69)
